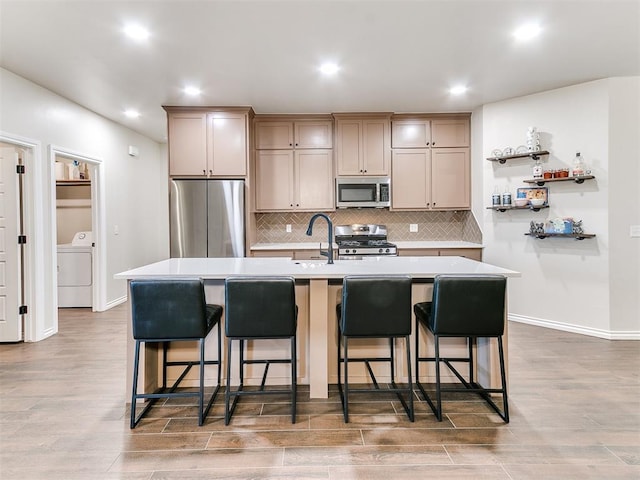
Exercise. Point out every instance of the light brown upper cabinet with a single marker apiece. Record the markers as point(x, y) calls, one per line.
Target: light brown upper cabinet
point(430, 179)
point(208, 143)
point(430, 166)
point(294, 163)
point(294, 180)
point(423, 132)
point(363, 144)
point(303, 134)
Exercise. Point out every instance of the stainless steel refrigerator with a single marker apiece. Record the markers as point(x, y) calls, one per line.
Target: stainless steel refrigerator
point(207, 218)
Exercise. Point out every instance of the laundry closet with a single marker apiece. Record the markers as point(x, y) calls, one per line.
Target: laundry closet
point(74, 233)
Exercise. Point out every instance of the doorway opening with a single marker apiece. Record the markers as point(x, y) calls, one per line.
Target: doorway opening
point(77, 228)
point(74, 232)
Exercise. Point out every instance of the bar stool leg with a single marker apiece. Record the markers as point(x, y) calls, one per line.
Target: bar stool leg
point(201, 385)
point(134, 393)
point(294, 378)
point(227, 393)
point(345, 404)
point(407, 342)
point(392, 361)
point(503, 377)
point(438, 392)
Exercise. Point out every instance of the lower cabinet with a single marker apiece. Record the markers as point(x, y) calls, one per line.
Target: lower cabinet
point(471, 253)
point(294, 254)
point(272, 253)
point(289, 180)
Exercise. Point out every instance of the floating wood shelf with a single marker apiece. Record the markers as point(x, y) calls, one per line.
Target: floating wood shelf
point(532, 155)
point(504, 208)
point(67, 183)
point(542, 181)
point(577, 236)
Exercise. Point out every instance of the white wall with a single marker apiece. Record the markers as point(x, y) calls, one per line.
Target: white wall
point(565, 283)
point(624, 200)
point(136, 192)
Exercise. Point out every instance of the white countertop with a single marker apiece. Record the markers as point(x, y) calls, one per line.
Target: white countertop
point(221, 268)
point(407, 244)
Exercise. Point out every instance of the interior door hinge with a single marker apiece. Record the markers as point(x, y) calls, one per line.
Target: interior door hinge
point(22, 310)
point(22, 239)
point(20, 169)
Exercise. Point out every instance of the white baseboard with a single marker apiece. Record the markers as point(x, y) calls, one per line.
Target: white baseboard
point(567, 327)
point(116, 302)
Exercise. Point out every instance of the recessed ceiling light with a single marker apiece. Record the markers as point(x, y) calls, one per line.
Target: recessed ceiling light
point(458, 90)
point(132, 113)
point(136, 32)
point(527, 32)
point(192, 91)
point(329, 68)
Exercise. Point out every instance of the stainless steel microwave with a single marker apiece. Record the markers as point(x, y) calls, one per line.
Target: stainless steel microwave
point(363, 192)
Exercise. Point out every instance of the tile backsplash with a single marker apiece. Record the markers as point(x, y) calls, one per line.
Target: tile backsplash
point(460, 226)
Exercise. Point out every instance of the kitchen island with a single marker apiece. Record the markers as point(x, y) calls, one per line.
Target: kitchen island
point(317, 292)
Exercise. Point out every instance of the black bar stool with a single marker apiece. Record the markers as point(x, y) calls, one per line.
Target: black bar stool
point(259, 308)
point(374, 307)
point(167, 311)
point(469, 306)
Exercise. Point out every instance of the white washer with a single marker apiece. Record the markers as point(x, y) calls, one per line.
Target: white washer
point(75, 272)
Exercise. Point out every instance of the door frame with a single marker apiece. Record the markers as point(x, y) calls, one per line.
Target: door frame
point(40, 265)
point(98, 302)
point(34, 268)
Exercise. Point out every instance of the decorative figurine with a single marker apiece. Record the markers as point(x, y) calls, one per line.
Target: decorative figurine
point(533, 140)
point(536, 228)
point(577, 227)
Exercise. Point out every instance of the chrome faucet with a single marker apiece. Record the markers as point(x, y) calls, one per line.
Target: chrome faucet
point(327, 253)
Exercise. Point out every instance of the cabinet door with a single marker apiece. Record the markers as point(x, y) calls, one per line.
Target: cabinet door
point(272, 253)
point(410, 179)
point(274, 135)
point(227, 144)
point(349, 147)
point(472, 253)
point(376, 146)
point(418, 252)
point(187, 144)
point(274, 180)
point(314, 180)
point(311, 134)
point(450, 172)
point(411, 134)
point(450, 133)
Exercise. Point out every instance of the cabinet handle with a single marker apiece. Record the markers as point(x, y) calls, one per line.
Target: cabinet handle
point(427, 144)
point(210, 172)
point(297, 204)
point(365, 171)
point(291, 144)
point(204, 172)
point(433, 144)
point(296, 144)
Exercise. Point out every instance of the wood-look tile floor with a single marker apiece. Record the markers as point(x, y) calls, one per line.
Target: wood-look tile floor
point(575, 414)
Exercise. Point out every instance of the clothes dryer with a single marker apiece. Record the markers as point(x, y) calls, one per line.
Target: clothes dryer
point(75, 271)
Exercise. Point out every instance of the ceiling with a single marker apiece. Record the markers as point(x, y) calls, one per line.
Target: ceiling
point(394, 55)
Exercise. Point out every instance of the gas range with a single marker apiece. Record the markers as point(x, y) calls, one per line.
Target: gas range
point(357, 240)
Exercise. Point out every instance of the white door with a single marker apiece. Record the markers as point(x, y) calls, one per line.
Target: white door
point(10, 271)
